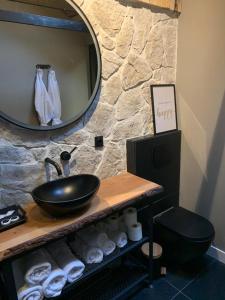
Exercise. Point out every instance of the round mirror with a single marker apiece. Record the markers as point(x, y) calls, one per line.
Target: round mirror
point(50, 63)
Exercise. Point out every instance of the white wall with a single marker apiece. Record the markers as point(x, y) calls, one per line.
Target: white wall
point(201, 101)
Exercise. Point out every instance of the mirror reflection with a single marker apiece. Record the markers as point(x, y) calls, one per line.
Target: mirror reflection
point(49, 63)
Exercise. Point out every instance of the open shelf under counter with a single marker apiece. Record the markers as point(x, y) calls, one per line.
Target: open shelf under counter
point(92, 269)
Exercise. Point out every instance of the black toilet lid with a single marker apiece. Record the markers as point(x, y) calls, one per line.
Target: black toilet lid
point(187, 224)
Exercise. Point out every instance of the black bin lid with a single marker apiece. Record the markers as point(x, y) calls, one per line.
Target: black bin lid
point(187, 224)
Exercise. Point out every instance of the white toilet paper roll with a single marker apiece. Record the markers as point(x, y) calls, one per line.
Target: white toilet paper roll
point(114, 222)
point(130, 216)
point(135, 232)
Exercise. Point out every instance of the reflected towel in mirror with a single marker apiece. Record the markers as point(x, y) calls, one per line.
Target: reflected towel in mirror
point(54, 94)
point(43, 104)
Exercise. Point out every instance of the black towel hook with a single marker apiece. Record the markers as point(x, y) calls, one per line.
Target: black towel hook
point(40, 66)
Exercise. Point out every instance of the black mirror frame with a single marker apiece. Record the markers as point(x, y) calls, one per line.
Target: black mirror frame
point(95, 91)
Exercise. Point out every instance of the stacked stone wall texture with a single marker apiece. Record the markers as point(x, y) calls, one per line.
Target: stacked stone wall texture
point(138, 48)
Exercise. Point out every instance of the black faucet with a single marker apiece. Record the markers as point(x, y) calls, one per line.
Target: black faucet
point(65, 155)
point(55, 164)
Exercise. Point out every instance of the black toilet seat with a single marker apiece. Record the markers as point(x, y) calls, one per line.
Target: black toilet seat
point(187, 224)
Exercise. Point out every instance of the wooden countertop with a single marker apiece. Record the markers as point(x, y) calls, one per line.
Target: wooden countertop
point(114, 193)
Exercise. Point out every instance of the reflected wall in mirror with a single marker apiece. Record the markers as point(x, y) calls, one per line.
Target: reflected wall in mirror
point(37, 38)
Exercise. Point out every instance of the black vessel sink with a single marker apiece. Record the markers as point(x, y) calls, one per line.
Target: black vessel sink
point(66, 195)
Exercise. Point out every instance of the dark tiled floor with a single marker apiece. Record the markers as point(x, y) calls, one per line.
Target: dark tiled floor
point(180, 296)
point(160, 291)
point(204, 280)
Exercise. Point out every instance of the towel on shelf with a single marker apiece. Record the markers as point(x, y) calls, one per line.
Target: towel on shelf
point(30, 293)
point(98, 239)
point(37, 267)
point(54, 94)
point(90, 255)
point(53, 285)
point(115, 232)
point(42, 101)
point(65, 259)
point(116, 235)
point(24, 291)
point(119, 237)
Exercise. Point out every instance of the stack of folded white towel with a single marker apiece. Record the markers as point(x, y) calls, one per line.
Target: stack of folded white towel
point(65, 259)
point(112, 227)
point(89, 254)
point(55, 282)
point(94, 238)
point(97, 241)
point(92, 245)
point(44, 273)
point(29, 273)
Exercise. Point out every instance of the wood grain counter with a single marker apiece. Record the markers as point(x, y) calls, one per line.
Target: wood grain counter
point(115, 193)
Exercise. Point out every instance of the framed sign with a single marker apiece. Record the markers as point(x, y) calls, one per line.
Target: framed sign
point(164, 108)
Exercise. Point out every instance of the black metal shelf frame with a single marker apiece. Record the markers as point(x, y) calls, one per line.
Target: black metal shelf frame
point(9, 282)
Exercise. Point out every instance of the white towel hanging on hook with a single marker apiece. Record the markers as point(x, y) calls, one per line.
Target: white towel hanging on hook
point(54, 94)
point(43, 104)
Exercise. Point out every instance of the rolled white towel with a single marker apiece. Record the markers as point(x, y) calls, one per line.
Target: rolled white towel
point(30, 293)
point(54, 94)
point(65, 259)
point(24, 291)
point(117, 236)
point(43, 104)
point(90, 255)
point(53, 285)
point(98, 239)
point(36, 266)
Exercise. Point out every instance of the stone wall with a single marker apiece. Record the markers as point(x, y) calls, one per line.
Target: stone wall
point(138, 48)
